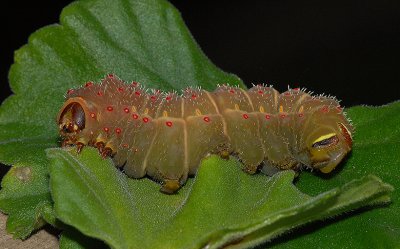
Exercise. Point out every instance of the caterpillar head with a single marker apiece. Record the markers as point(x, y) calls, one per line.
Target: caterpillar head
point(72, 120)
point(328, 145)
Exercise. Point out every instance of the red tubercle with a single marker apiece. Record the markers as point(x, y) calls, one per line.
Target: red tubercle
point(110, 108)
point(135, 116)
point(146, 119)
point(92, 115)
point(231, 91)
point(301, 115)
point(339, 108)
point(70, 91)
point(134, 84)
point(267, 116)
point(260, 92)
point(282, 115)
point(106, 129)
point(118, 131)
point(89, 84)
point(287, 93)
point(153, 98)
point(296, 89)
point(245, 116)
point(121, 89)
point(126, 110)
point(137, 93)
point(325, 109)
point(168, 123)
point(99, 93)
point(168, 98)
point(125, 145)
point(194, 96)
point(206, 119)
point(111, 76)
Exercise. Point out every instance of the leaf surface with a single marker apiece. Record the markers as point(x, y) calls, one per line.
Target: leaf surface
point(145, 41)
point(376, 151)
point(219, 207)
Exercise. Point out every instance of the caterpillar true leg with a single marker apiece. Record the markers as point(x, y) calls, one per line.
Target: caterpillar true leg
point(100, 146)
point(107, 151)
point(79, 147)
point(224, 154)
point(170, 186)
point(250, 169)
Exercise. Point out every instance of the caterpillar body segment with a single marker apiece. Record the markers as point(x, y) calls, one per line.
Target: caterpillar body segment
point(166, 135)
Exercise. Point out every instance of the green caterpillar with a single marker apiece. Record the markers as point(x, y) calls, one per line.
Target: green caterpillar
point(166, 135)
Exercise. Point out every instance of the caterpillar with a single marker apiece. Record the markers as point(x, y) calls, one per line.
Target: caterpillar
point(166, 135)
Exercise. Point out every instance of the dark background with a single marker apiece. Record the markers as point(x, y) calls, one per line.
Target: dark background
point(346, 48)
point(349, 49)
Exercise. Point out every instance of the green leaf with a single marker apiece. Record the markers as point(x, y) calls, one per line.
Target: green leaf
point(73, 239)
point(24, 220)
point(25, 194)
point(145, 41)
point(376, 151)
point(221, 206)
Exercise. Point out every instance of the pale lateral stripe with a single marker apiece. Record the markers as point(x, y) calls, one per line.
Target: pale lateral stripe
point(248, 98)
point(151, 145)
point(141, 111)
point(276, 100)
point(264, 149)
point(276, 105)
point(157, 112)
point(153, 119)
point(301, 99)
point(212, 102)
point(299, 141)
point(185, 140)
point(218, 112)
point(183, 107)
